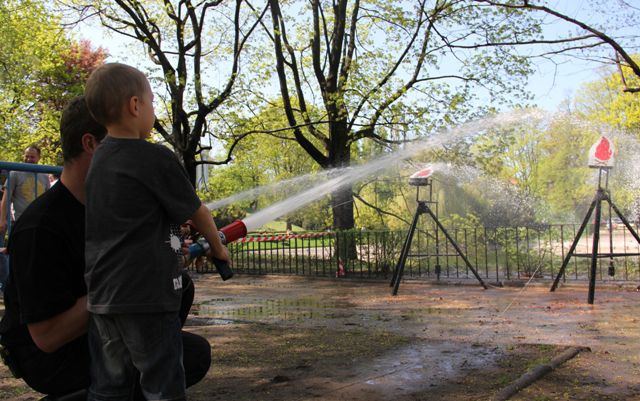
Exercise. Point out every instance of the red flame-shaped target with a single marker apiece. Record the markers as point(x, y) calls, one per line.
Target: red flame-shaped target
point(603, 150)
point(425, 172)
point(421, 177)
point(602, 153)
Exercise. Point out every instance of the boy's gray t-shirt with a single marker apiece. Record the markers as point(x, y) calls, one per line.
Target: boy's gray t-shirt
point(137, 195)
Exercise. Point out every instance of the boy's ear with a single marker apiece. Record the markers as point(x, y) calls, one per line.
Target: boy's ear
point(132, 106)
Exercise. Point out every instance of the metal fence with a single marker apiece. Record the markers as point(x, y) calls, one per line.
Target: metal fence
point(497, 253)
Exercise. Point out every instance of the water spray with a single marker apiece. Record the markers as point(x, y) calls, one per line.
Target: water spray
point(228, 233)
point(340, 178)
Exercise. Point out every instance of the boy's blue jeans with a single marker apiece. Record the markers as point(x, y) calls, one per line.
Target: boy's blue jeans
point(122, 345)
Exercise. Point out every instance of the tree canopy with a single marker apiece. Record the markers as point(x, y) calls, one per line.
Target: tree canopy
point(42, 69)
point(280, 88)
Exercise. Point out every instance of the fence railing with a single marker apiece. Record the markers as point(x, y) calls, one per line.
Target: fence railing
point(497, 254)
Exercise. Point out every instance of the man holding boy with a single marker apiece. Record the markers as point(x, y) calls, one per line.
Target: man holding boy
point(44, 327)
point(137, 196)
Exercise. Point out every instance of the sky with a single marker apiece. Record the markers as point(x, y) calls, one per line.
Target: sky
point(551, 85)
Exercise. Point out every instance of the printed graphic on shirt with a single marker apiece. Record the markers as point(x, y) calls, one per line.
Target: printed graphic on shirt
point(174, 239)
point(177, 283)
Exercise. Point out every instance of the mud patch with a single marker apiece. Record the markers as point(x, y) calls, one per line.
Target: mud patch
point(267, 362)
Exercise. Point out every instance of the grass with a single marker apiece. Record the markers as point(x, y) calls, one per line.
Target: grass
point(279, 226)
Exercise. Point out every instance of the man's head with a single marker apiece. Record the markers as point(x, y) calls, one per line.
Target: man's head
point(116, 90)
point(31, 154)
point(75, 124)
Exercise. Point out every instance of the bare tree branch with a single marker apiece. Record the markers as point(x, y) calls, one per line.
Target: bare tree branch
point(380, 210)
point(631, 63)
point(279, 32)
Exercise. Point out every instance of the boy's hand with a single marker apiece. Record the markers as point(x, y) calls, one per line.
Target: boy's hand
point(218, 253)
point(221, 260)
point(221, 254)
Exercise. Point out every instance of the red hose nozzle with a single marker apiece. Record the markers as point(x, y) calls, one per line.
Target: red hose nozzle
point(232, 232)
point(229, 233)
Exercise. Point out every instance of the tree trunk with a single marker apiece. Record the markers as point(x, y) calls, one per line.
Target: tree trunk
point(342, 198)
point(189, 163)
point(339, 155)
point(342, 206)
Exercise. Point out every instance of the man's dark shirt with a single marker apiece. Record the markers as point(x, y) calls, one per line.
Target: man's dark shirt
point(46, 248)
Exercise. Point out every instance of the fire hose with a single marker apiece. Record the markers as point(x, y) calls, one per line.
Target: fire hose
point(228, 234)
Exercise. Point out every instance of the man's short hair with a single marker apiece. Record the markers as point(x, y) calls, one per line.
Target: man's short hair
point(75, 122)
point(34, 147)
point(110, 87)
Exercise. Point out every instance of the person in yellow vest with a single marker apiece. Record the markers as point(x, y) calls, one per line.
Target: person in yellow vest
point(21, 188)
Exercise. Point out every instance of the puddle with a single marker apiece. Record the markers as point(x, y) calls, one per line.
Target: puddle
point(205, 321)
point(267, 310)
point(331, 309)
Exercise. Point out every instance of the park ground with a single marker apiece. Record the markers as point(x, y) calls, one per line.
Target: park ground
point(294, 338)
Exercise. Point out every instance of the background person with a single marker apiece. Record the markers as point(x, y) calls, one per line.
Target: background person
point(21, 189)
point(53, 178)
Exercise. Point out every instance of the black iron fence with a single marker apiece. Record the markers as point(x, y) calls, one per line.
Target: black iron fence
point(497, 254)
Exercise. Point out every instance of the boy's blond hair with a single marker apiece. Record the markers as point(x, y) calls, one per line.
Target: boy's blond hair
point(109, 89)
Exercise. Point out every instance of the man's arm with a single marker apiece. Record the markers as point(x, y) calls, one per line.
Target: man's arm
point(51, 334)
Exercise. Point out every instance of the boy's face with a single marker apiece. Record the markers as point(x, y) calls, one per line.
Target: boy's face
point(147, 114)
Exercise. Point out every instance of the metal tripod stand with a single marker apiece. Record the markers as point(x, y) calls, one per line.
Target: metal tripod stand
point(423, 208)
point(602, 194)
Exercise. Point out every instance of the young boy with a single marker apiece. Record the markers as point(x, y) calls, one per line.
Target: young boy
point(137, 196)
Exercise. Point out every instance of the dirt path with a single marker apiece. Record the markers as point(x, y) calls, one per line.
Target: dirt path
point(291, 338)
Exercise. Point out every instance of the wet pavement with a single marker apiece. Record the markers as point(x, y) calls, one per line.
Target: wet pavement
point(469, 313)
point(454, 329)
